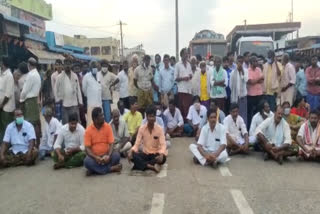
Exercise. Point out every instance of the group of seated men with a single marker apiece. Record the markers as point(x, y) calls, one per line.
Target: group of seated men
point(145, 142)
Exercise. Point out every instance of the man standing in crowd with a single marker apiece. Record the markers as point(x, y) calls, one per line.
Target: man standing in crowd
point(166, 81)
point(237, 134)
point(143, 80)
point(69, 147)
point(219, 82)
point(20, 137)
point(132, 88)
point(7, 98)
point(98, 140)
point(183, 76)
point(313, 84)
point(91, 88)
point(156, 78)
point(211, 146)
point(272, 71)
point(301, 82)
point(29, 97)
point(151, 138)
point(121, 134)
point(68, 92)
point(274, 136)
point(204, 85)
point(246, 60)
point(58, 106)
point(309, 138)
point(123, 79)
point(51, 128)
point(195, 76)
point(288, 80)
point(238, 86)
point(107, 80)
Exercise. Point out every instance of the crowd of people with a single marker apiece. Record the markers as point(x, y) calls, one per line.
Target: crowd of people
point(228, 105)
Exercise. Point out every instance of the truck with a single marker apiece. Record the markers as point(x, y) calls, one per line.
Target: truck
point(259, 45)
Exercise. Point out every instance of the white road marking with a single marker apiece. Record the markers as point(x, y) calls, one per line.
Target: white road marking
point(224, 171)
point(241, 202)
point(163, 172)
point(157, 203)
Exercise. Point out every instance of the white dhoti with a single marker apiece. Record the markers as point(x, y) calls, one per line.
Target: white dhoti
point(223, 157)
point(287, 96)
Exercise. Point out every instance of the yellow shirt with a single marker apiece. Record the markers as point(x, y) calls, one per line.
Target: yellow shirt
point(268, 88)
point(204, 96)
point(133, 121)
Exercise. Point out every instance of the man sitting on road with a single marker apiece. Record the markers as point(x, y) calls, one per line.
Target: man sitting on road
point(274, 136)
point(211, 146)
point(51, 128)
point(69, 148)
point(20, 135)
point(237, 134)
point(152, 139)
point(121, 134)
point(133, 119)
point(309, 138)
point(196, 117)
point(174, 120)
point(98, 140)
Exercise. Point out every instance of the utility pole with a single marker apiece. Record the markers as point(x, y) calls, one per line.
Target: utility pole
point(291, 10)
point(121, 38)
point(177, 31)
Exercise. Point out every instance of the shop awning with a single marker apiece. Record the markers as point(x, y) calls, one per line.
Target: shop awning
point(45, 57)
point(84, 57)
point(16, 20)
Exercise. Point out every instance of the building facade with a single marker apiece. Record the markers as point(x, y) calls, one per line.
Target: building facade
point(102, 48)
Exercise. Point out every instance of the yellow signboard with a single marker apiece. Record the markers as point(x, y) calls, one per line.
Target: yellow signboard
point(36, 7)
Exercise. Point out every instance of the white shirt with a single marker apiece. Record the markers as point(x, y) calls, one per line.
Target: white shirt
point(122, 131)
point(277, 135)
point(124, 84)
point(212, 140)
point(54, 77)
point(213, 80)
point(50, 131)
point(68, 89)
point(175, 120)
point(197, 118)
point(32, 86)
point(180, 72)
point(70, 139)
point(196, 82)
point(256, 121)
point(237, 129)
point(92, 90)
point(19, 140)
point(7, 90)
point(105, 81)
point(314, 134)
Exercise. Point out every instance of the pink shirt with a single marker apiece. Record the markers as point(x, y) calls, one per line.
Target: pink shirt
point(255, 89)
point(312, 74)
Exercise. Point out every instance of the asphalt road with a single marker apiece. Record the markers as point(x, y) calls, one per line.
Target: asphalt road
point(243, 185)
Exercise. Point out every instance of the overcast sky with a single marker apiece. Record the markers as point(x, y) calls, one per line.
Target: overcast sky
point(152, 22)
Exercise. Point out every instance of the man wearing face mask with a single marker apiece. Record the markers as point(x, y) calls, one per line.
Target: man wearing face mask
point(272, 71)
point(293, 120)
point(107, 80)
point(20, 137)
point(68, 92)
point(309, 138)
point(197, 116)
point(91, 88)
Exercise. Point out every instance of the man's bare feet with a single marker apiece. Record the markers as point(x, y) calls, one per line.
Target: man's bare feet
point(157, 168)
point(89, 173)
point(116, 168)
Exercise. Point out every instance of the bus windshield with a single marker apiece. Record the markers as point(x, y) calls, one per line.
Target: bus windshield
point(258, 47)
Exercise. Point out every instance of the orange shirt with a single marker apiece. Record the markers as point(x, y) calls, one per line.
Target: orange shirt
point(152, 143)
point(99, 140)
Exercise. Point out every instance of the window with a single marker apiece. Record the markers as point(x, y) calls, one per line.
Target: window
point(87, 51)
point(106, 50)
point(95, 51)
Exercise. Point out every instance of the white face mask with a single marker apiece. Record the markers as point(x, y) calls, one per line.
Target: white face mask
point(104, 69)
point(94, 71)
point(267, 114)
point(286, 111)
point(159, 113)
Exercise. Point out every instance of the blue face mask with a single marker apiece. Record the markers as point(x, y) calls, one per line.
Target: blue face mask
point(94, 71)
point(19, 120)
